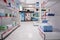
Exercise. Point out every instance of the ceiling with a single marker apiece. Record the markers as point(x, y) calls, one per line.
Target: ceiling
point(29, 4)
point(51, 3)
point(30, 1)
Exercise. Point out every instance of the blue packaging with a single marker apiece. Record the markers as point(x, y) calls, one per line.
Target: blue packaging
point(48, 29)
point(2, 14)
point(44, 21)
point(51, 14)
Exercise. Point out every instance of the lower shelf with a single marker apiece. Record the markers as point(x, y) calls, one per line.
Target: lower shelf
point(5, 34)
point(49, 35)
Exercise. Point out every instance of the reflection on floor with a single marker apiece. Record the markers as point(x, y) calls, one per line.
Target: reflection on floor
point(25, 32)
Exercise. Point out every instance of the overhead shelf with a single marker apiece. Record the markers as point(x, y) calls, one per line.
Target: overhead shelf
point(6, 6)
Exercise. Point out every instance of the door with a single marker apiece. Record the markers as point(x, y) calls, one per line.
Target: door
point(22, 16)
point(27, 16)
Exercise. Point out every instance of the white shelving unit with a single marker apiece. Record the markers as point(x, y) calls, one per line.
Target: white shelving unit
point(53, 5)
point(12, 22)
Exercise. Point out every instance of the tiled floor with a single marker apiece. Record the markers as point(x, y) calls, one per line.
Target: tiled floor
point(25, 32)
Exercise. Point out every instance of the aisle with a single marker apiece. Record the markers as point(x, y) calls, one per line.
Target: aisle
point(25, 32)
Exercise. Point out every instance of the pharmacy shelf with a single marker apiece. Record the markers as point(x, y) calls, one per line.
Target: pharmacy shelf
point(8, 20)
point(6, 33)
point(54, 35)
point(41, 33)
point(6, 6)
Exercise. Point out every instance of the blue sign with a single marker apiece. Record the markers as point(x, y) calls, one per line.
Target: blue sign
point(17, 3)
point(37, 4)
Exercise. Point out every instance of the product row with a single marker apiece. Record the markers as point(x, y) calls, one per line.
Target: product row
point(6, 15)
